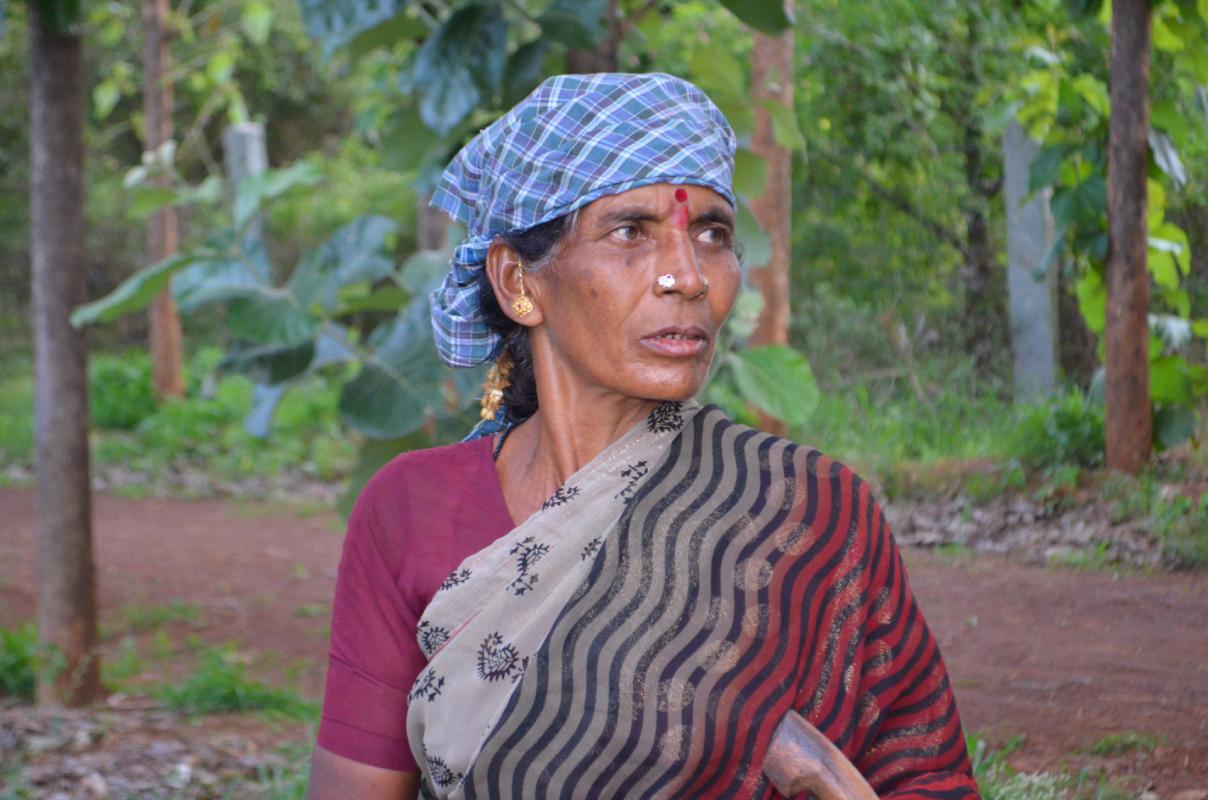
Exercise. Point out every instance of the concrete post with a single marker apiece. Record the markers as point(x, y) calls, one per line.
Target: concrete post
point(1032, 288)
point(245, 154)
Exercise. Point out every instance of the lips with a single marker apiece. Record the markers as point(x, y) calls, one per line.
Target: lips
point(678, 342)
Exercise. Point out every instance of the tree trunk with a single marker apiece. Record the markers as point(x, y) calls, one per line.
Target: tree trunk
point(983, 315)
point(166, 341)
point(67, 614)
point(772, 80)
point(1128, 426)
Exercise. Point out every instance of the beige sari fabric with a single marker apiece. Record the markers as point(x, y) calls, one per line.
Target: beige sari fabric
point(495, 610)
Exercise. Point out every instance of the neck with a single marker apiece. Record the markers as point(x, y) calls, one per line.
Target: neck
point(565, 436)
point(573, 424)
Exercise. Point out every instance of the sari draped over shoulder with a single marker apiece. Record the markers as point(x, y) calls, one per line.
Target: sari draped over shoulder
point(643, 633)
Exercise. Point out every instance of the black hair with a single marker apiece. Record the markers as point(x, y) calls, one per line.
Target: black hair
point(533, 245)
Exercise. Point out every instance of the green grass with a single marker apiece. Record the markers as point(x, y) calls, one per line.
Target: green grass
point(202, 431)
point(137, 617)
point(1117, 744)
point(18, 662)
point(221, 684)
point(16, 416)
point(1179, 522)
point(998, 780)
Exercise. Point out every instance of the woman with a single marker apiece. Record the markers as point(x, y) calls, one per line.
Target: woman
point(611, 591)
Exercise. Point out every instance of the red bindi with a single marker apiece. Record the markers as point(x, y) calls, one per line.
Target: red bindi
point(680, 215)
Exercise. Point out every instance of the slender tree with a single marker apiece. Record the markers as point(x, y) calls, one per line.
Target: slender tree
point(67, 611)
point(166, 341)
point(772, 81)
point(1128, 425)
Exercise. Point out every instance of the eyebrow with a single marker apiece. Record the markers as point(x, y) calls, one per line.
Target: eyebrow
point(714, 214)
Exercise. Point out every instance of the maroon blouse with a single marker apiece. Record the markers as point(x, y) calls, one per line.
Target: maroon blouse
point(414, 522)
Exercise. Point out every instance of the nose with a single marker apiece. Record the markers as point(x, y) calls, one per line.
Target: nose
point(678, 259)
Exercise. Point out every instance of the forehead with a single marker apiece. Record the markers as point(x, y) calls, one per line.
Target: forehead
point(653, 196)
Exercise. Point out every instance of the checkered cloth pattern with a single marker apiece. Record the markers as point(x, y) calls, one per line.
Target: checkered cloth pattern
point(575, 139)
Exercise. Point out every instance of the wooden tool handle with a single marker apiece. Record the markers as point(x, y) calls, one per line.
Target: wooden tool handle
point(800, 759)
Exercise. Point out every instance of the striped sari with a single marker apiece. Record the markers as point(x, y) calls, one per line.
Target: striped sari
point(643, 634)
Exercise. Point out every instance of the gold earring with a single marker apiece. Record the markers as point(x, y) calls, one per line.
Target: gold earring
point(522, 305)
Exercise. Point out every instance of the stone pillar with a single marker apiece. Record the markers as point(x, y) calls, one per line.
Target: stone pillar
point(245, 154)
point(1032, 288)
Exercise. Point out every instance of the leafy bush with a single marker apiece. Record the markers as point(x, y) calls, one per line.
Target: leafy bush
point(1068, 430)
point(221, 684)
point(120, 391)
point(18, 662)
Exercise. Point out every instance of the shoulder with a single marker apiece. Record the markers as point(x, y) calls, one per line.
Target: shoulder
point(826, 492)
point(417, 488)
point(754, 447)
point(439, 469)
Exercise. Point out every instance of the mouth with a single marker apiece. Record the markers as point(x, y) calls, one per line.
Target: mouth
point(678, 342)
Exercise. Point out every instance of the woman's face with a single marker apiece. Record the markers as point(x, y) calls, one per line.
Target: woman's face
point(605, 317)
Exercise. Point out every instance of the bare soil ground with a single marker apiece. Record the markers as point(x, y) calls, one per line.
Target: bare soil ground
point(1060, 656)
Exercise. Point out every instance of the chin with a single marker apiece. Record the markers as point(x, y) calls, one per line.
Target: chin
point(675, 385)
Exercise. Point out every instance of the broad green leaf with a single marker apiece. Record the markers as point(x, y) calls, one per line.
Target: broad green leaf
point(133, 294)
point(1045, 168)
point(461, 63)
point(778, 380)
point(524, 70)
point(407, 141)
point(104, 98)
point(765, 16)
point(1170, 238)
point(574, 23)
point(1082, 9)
point(220, 66)
point(1173, 425)
point(1200, 328)
point(399, 385)
point(718, 72)
point(256, 21)
point(335, 22)
point(270, 317)
point(255, 189)
point(1092, 300)
point(1156, 203)
point(1163, 269)
point(752, 238)
point(1167, 383)
point(1094, 92)
point(1167, 117)
point(357, 252)
point(750, 173)
point(388, 298)
point(214, 279)
point(422, 270)
point(149, 199)
point(784, 125)
point(265, 399)
point(400, 27)
point(1164, 37)
point(268, 364)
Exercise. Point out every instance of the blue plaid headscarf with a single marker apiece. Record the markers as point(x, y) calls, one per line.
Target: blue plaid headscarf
point(575, 139)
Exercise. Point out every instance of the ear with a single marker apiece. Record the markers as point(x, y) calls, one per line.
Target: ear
point(503, 271)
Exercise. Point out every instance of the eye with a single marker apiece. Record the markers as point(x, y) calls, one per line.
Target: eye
point(718, 235)
point(627, 233)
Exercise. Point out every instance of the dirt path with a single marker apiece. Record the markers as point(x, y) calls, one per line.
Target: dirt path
point(1061, 657)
